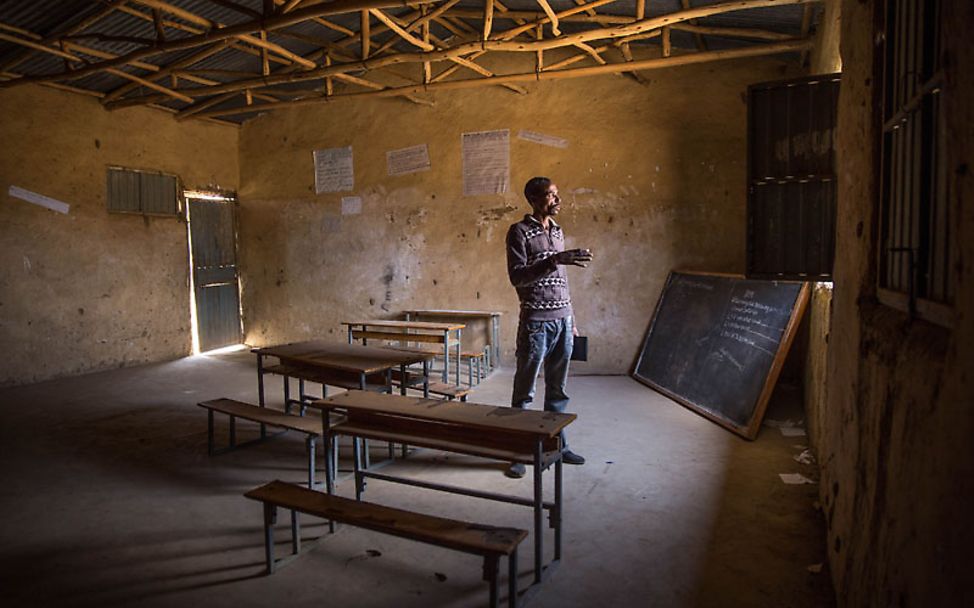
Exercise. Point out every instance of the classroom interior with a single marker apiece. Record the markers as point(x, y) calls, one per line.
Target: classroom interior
point(109, 496)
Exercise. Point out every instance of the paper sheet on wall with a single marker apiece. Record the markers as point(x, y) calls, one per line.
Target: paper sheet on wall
point(541, 138)
point(38, 199)
point(333, 170)
point(408, 160)
point(351, 205)
point(486, 162)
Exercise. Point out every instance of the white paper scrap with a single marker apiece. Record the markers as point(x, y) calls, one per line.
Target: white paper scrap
point(486, 162)
point(351, 205)
point(541, 138)
point(794, 479)
point(806, 457)
point(38, 199)
point(333, 170)
point(792, 431)
point(408, 160)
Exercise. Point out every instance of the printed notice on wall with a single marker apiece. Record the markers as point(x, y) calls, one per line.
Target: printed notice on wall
point(541, 138)
point(333, 170)
point(408, 160)
point(38, 199)
point(486, 162)
point(351, 205)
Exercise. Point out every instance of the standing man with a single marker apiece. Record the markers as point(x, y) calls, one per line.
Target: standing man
point(536, 258)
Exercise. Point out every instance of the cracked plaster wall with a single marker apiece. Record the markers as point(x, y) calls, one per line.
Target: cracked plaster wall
point(894, 435)
point(653, 179)
point(91, 290)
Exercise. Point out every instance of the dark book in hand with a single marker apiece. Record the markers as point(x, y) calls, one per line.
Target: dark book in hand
point(580, 349)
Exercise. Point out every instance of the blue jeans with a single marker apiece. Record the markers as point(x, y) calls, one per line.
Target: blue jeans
point(550, 343)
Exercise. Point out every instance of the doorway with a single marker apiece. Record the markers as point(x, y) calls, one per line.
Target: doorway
point(214, 282)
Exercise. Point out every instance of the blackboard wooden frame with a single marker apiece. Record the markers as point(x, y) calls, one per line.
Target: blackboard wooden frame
point(750, 429)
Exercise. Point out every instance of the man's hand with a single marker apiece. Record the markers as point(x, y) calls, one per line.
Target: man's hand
point(574, 257)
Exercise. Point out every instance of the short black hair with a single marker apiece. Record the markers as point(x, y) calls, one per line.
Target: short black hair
point(536, 186)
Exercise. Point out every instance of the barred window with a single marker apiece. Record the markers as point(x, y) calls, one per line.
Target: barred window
point(142, 192)
point(914, 247)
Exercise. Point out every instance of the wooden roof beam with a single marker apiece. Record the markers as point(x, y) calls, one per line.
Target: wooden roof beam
point(792, 46)
point(166, 71)
point(269, 24)
point(701, 43)
point(38, 46)
point(213, 25)
point(552, 16)
point(52, 38)
point(625, 33)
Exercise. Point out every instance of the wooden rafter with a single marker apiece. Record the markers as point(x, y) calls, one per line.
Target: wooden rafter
point(375, 59)
point(213, 25)
point(552, 17)
point(628, 32)
point(78, 27)
point(38, 46)
point(646, 64)
point(701, 44)
point(270, 23)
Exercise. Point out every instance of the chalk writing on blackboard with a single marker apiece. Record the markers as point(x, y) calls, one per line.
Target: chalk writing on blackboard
point(716, 344)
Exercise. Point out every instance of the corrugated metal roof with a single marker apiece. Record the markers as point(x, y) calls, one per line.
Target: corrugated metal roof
point(131, 28)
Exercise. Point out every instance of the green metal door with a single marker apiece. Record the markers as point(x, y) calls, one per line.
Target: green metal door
point(213, 236)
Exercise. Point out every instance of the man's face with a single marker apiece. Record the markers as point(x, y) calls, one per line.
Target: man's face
point(547, 203)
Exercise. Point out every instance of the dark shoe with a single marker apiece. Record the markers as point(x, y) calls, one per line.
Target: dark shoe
point(570, 457)
point(515, 471)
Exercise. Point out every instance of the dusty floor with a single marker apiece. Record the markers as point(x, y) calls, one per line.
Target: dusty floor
point(108, 498)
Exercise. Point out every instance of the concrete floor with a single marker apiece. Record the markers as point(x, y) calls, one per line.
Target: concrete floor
point(108, 498)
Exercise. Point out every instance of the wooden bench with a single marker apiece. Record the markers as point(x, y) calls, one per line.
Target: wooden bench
point(478, 359)
point(310, 426)
point(415, 382)
point(374, 383)
point(489, 542)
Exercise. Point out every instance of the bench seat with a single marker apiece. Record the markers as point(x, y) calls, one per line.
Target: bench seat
point(311, 426)
point(489, 542)
point(347, 381)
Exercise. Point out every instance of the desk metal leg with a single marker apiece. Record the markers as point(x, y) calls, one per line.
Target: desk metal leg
point(426, 379)
point(512, 579)
point(260, 390)
point(312, 441)
point(495, 341)
point(556, 513)
point(270, 518)
point(365, 442)
point(350, 334)
point(459, 340)
point(538, 514)
point(295, 533)
point(357, 467)
point(490, 575)
point(446, 357)
point(331, 459)
point(287, 394)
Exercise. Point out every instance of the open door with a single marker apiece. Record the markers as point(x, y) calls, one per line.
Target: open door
point(213, 259)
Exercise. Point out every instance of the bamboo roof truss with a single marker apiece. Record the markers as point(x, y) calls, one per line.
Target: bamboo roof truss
point(230, 60)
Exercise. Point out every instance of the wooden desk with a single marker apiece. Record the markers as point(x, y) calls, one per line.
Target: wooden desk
point(491, 317)
point(411, 331)
point(502, 433)
point(351, 360)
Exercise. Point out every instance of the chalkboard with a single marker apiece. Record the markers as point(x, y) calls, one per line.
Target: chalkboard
point(717, 342)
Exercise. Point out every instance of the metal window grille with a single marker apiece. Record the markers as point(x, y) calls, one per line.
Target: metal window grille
point(791, 178)
point(914, 250)
point(142, 192)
